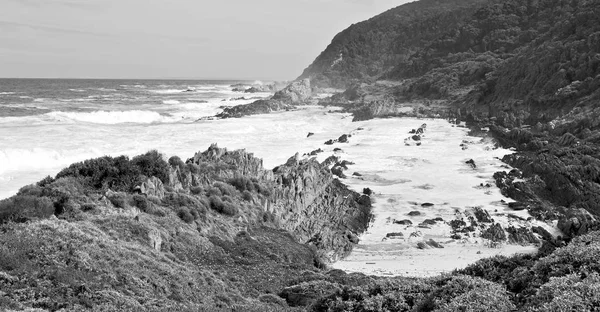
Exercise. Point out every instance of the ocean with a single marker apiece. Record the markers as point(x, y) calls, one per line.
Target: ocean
point(45, 125)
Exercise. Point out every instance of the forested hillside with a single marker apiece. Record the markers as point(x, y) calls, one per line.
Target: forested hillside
point(366, 50)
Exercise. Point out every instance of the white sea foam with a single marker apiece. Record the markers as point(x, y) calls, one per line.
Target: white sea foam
point(6, 93)
point(171, 102)
point(113, 117)
point(20, 159)
point(168, 91)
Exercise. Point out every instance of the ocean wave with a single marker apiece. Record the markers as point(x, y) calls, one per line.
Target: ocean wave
point(168, 91)
point(76, 90)
point(6, 93)
point(113, 117)
point(17, 159)
point(171, 102)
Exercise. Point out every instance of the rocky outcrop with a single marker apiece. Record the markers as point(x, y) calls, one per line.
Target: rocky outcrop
point(577, 222)
point(295, 93)
point(304, 198)
point(153, 186)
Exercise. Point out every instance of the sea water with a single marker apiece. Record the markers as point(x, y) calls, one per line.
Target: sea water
point(45, 125)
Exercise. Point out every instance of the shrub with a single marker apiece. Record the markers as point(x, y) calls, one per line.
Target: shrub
point(242, 183)
point(221, 206)
point(88, 207)
point(118, 200)
point(141, 202)
point(196, 190)
point(225, 188)
point(175, 161)
point(105, 172)
point(247, 196)
point(152, 164)
point(214, 191)
point(21, 208)
point(184, 214)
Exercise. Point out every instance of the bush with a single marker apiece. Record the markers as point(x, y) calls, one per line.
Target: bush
point(225, 188)
point(247, 196)
point(196, 190)
point(214, 191)
point(184, 214)
point(152, 164)
point(105, 172)
point(141, 202)
point(223, 207)
point(242, 183)
point(21, 208)
point(175, 161)
point(118, 200)
point(88, 207)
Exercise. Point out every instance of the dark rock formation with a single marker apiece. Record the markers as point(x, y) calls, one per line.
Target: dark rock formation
point(414, 213)
point(403, 222)
point(394, 235)
point(427, 205)
point(471, 163)
point(434, 244)
point(577, 222)
point(343, 138)
point(309, 134)
point(482, 215)
point(521, 235)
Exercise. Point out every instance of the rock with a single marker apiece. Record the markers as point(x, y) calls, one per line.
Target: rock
point(471, 163)
point(352, 237)
point(306, 293)
point(428, 222)
point(422, 245)
point(456, 236)
point(518, 206)
point(482, 215)
point(329, 142)
point(343, 139)
point(394, 235)
point(155, 239)
point(415, 234)
point(413, 131)
point(494, 233)
point(414, 213)
point(153, 186)
point(427, 205)
point(439, 219)
point(416, 138)
point(337, 149)
point(310, 134)
point(457, 225)
point(567, 139)
point(543, 233)
point(435, 244)
point(577, 222)
point(315, 152)
point(521, 236)
point(296, 92)
point(338, 171)
point(356, 174)
point(403, 222)
point(367, 191)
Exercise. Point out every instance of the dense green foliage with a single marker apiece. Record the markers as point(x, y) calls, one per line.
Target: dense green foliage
point(119, 173)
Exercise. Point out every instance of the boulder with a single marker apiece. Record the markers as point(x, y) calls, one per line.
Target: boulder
point(394, 235)
point(403, 222)
point(329, 142)
point(521, 236)
point(471, 163)
point(153, 186)
point(482, 215)
point(422, 245)
point(414, 213)
point(296, 92)
point(427, 205)
point(429, 222)
point(343, 138)
point(434, 244)
point(309, 134)
point(306, 293)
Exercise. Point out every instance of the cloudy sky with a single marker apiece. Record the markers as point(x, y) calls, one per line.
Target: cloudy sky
point(219, 39)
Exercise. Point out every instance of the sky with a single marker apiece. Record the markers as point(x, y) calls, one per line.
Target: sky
point(219, 39)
